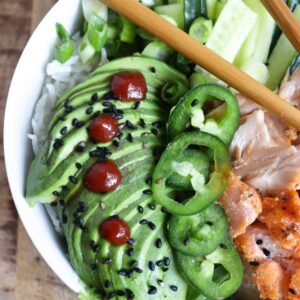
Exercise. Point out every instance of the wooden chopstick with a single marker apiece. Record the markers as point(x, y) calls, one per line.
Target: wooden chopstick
point(285, 20)
point(207, 59)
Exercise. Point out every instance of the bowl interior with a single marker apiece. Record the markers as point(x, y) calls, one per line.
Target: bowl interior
point(24, 92)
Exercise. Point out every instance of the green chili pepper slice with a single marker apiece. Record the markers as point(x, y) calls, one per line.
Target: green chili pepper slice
point(186, 163)
point(217, 275)
point(200, 234)
point(205, 193)
point(189, 110)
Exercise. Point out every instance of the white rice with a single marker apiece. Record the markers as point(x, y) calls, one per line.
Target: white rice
point(59, 79)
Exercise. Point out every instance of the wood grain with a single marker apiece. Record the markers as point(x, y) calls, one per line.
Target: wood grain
point(24, 274)
point(285, 20)
point(207, 59)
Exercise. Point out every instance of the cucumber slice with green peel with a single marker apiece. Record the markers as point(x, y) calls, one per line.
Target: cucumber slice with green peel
point(256, 69)
point(258, 43)
point(281, 58)
point(231, 29)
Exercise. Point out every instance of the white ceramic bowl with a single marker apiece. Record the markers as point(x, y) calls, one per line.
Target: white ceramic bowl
point(24, 92)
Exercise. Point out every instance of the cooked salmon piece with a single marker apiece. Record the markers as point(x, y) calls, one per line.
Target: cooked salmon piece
point(242, 205)
point(271, 280)
point(270, 170)
point(290, 88)
point(246, 105)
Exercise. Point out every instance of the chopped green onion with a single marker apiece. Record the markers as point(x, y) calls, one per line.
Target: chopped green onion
point(112, 32)
point(201, 29)
point(91, 7)
point(86, 51)
point(172, 91)
point(197, 79)
point(64, 49)
point(128, 32)
point(158, 50)
point(97, 32)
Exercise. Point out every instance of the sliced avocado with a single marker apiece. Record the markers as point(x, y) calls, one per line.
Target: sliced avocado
point(57, 174)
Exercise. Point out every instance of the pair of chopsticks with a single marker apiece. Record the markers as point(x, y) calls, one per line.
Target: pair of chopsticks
point(213, 63)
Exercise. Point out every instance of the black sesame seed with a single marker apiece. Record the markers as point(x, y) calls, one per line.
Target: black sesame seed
point(151, 266)
point(69, 109)
point(145, 134)
point(130, 273)
point(130, 138)
point(138, 270)
point(131, 242)
point(160, 263)
point(61, 202)
point(292, 291)
point(79, 124)
point(129, 125)
point(130, 294)
point(148, 180)
point(73, 179)
point(82, 204)
point(266, 252)
point(115, 216)
point(140, 209)
point(130, 251)
point(106, 284)
point(153, 69)
point(64, 219)
point(259, 242)
point(157, 151)
point(78, 166)
point(165, 269)
point(53, 204)
point(194, 102)
point(254, 263)
point(143, 222)
point(89, 110)
point(84, 228)
point(167, 261)
point(111, 295)
point(67, 103)
point(147, 192)
point(95, 97)
point(209, 223)
point(142, 123)
point(186, 242)
point(116, 143)
point(163, 210)
point(122, 272)
point(106, 261)
point(108, 96)
point(151, 225)
point(174, 288)
point(118, 116)
point(96, 114)
point(120, 111)
point(152, 290)
point(133, 263)
point(93, 267)
point(121, 293)
point(55, 193)
point(137, 104)
point(58, 143)
point(74, 122)
point(94, 247)
point(158, 243)
point(107, 104)
point(154, 131)
point(64, 130)
point(157, 124)
point(152, 206)
point(80, 209)
point(223, 246)
point(109, 110)
point(80, 147)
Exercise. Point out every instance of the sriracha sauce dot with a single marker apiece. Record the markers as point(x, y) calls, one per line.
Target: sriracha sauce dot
point(104, 129)
point(129, 86)
point(103, 177)
point(115, 230)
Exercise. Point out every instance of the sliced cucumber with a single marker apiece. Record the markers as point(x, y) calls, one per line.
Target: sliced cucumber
point(281, 58)
point(173, 10)
point(256, 69)
point(231, 29)
point(158, 50)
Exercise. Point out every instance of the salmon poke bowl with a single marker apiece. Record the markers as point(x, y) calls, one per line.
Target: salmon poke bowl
point(140, 175)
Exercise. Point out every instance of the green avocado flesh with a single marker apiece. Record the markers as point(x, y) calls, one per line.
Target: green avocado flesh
point(56, 175)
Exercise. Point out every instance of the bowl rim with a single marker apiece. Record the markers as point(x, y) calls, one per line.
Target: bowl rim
point(70, 280)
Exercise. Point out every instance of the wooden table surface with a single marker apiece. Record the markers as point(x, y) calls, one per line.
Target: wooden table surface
point(24, 274)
